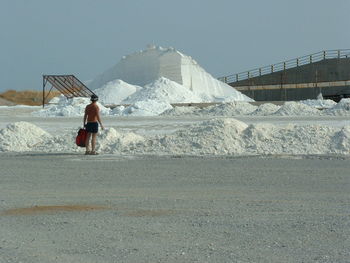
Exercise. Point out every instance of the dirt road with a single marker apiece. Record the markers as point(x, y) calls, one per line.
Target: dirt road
point(73, 208)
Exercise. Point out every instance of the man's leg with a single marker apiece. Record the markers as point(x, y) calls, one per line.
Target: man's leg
point(93, 142)
point(87, 142)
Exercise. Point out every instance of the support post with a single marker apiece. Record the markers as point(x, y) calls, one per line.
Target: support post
point(43, 90)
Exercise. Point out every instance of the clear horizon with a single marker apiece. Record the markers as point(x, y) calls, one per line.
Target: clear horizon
point(86, 37)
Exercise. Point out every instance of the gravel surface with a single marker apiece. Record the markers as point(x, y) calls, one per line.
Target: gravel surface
point(74, 208)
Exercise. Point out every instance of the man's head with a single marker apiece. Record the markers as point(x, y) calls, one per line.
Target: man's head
point(94, 98)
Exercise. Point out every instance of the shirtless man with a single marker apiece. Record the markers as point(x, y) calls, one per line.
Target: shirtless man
point(91, 120)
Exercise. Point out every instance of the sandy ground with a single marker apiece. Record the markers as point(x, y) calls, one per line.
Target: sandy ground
point(74, 208)
point(4, 102)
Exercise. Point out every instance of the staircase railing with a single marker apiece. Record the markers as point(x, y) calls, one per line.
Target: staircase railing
point(292, 63)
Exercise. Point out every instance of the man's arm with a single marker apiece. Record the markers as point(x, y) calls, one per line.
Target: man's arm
point(85, 118)
point(99, 120)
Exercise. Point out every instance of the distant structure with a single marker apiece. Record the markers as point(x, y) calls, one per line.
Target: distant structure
point(326, 72)
point(68, 85)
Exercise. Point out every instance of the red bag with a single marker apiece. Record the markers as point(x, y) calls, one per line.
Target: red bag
point(81, 137)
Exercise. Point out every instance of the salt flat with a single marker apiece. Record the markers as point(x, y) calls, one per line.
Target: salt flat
point(73, 208)
point(153, 124)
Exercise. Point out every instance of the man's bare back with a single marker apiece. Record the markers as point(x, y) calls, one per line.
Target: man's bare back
point(92, 112)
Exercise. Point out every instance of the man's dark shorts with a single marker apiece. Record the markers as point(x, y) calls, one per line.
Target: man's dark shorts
point(92, 127)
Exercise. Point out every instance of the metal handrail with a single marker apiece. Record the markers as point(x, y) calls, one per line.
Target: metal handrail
point(292, 63)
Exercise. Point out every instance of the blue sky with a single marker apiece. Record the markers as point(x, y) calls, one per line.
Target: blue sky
point(85, 37)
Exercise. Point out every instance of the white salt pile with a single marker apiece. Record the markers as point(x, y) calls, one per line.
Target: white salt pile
point(68, 108)
point(213, 137)
point(109, 141)
point(112, 141)
point(266, 109)
point(221, 109)
point(21, 136)
point(143, 108)
point(319, 103)
point(229, 109)
point(24, 136)
point(163, 90)
point(145, 67)
point(296, 109)
point(342, 108)
point(115, 92)
point(182, 111)
point(55, 100)
point(232, 137)
point(155, 98)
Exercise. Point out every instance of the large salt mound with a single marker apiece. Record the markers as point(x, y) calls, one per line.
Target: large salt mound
point(21, 136)
point(163, 90)
point(69, 108)
point(146, 66)
point(115, 91)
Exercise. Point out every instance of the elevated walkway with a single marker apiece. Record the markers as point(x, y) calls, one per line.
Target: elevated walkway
point(326, 72)
point(68, 85)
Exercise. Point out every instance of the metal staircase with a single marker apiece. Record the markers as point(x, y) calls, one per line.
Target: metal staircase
point(68, 85)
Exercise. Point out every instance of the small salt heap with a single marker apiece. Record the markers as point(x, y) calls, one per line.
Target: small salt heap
point(21, 136)
point(163, 90)
point(143, 108)
point(342, 108)
point(290, 108)
point(115, 92)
